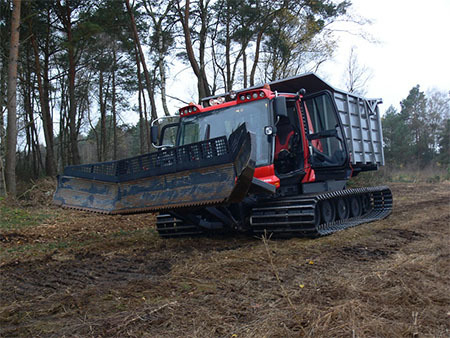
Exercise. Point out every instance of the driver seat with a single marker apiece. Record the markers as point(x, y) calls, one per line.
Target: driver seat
point(285, 132)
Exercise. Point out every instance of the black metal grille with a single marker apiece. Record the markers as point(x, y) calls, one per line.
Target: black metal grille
point(191, 156)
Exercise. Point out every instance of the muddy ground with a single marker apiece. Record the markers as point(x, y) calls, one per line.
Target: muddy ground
point(78, 274)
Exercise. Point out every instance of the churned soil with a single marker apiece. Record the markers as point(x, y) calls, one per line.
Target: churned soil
point(81, 274)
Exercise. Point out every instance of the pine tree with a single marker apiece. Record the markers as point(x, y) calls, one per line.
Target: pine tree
point(11, 131)
point(414, 113)
point(397, 138)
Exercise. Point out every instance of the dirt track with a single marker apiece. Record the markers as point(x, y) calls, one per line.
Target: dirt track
point(89, 275)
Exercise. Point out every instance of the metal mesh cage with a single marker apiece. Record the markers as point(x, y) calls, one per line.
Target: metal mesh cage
point(210, 152)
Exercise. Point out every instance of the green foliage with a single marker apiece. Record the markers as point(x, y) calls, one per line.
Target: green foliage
point(418, 135)
point(444, 144)
point(414, 113)
point(397, 137)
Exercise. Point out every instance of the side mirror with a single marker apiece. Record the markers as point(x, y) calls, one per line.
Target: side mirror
point(154, 134)
point(279, 106)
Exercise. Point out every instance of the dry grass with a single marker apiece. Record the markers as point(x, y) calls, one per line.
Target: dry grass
point(384, 279)
point(405, 175)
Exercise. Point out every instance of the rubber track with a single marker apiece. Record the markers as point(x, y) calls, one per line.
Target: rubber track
point(294, 216)
point(298, 215)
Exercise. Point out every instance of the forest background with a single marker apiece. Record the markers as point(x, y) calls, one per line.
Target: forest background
point(83, 66)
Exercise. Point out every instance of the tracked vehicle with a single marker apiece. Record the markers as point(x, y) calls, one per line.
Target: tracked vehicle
point(268, 159)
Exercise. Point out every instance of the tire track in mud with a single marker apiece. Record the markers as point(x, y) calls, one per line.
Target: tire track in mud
point(420, 205)
point(31, 280)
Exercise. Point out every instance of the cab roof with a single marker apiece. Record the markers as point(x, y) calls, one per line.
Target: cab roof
point(308, 81)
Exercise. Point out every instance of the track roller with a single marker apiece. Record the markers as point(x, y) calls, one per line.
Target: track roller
point(169, 226)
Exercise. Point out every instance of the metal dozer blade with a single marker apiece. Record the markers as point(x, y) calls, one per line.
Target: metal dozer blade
point(212, 172)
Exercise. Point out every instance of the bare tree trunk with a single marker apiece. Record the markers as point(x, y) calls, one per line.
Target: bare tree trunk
point(27, 149)
point(266, 23)
point(113, 102)
point(141, 125)
point(61, 146)
point(66, 17)
point(63, 132)
point(102, 119)
point(146, 121)
point(228, 82)
point(142, 59)
point(244, 64)
point(2, 178)
point(11, 131)
point(3, 86)
point(203, 83)
point(50, 164)
point(49, 157)
point(32, 134)
point(256, 58)
point(162, 72)
point(151, 94)
point(73, 135)
point(97, 141)
point(141, 117)
point(157, 26)
point(199, 70)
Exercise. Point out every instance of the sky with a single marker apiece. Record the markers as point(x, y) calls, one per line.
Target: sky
point(412, 47)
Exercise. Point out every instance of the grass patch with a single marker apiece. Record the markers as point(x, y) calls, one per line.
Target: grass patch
point(22, 249)
point(17, 218)
point(388, 174)
point(135, 232)
point(34, 250)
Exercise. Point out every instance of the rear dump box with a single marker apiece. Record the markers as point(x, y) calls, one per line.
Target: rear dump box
point(361, 120)
point(210, 172)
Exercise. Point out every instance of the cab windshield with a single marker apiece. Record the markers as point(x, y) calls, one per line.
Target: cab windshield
point(222, 122)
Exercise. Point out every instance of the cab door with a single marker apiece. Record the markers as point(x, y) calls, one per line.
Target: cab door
point(325, 135)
